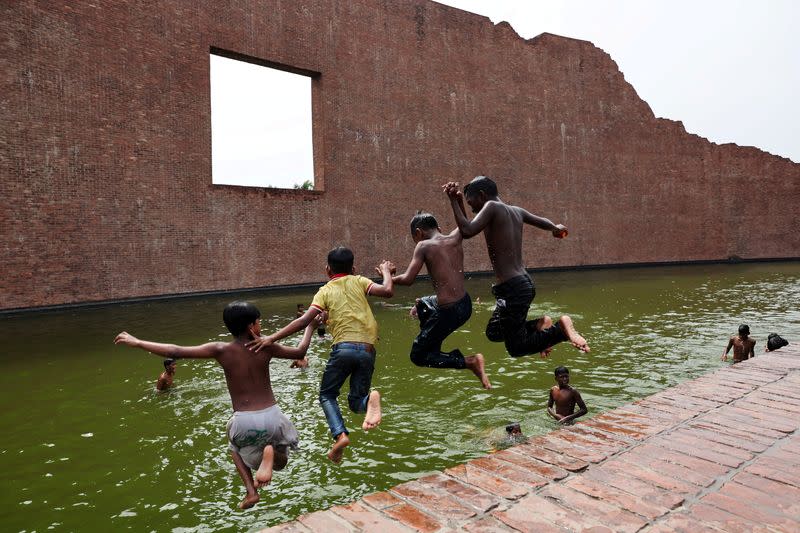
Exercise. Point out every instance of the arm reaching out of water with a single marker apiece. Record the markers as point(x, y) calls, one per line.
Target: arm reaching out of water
point(550, 403)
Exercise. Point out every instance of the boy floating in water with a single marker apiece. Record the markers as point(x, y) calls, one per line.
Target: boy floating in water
point(259, 434)
point(743, 345)
point(442, 314)
point(355, 332)
point(165, 379)
point(501, 225)
point(564, 398)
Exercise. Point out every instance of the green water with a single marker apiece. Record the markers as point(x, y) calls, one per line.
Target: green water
point(87, 444)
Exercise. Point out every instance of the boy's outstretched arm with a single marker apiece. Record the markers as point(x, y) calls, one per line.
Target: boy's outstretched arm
point(386, 288)
point(204, 351)
point(558, 230)
point(582, 409)
point(281, 351)
point(417, 260)
point(727, 349)
point(293, 327)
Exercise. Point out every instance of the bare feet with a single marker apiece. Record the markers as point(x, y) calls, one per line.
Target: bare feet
point(337, 451)
point(544, 354)
point(476, 364)
point(249, 501)
point(373, 416)
point(573, 336)
point(264, 473)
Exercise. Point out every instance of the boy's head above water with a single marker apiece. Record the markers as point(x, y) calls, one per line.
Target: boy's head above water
point(422, 224)
point(562, 375)
point(169, 365)
point(744, 330)
point(240, 316)
point(479, 191)
point(340, 261)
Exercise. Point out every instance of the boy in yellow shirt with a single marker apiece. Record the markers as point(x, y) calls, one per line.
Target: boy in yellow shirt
point(355, 332)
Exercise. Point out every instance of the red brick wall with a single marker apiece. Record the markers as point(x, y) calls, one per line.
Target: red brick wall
point(105, 171)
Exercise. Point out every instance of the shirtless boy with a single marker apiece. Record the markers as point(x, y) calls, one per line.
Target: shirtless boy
point(259, 434)
point(501, 225)
point(743, 345)
point(165, 379)
point(443, 256)
point(564, 398)
point(344, 300)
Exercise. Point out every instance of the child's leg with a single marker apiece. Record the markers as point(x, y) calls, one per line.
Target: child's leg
point(247, 478)
point(264, 472)
point(332, 379)
point(337, 450)
point(542, 324)
point(360, 398)
point(573, 336)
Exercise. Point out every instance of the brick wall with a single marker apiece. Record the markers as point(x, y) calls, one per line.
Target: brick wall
point(105, 156)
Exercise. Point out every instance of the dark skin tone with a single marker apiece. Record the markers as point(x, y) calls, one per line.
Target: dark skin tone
point(247, 377)
point(165, 379)
point(743, 348)
point(565, 398)
point(501, 225)
point(443, 256)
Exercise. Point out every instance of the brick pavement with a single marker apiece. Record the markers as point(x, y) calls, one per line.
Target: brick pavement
point(718, 453)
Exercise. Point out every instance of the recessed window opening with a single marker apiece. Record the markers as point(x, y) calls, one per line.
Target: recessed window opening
point(260, 126)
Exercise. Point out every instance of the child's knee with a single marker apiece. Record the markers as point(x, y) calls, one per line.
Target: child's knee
point(516, 349)
point(494, 333)
point(418, 356)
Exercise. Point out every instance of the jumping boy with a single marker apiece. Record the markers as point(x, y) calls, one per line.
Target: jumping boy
point(565, 398)
point(165, 379)
point(440, 315)
point(259, 434)
point(743, 345)
point(501, 225)
point(355, 332)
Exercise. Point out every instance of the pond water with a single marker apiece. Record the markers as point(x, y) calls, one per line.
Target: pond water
point(87, 444)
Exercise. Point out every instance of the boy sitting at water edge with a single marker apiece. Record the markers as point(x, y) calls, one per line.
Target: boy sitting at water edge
point(355, 332)
point(259, 434)
point(440, 315)
point(743, 345)
point(564, 398)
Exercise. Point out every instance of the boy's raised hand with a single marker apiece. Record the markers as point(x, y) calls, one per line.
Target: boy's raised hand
point(451, 189)
point(259, 344)
point(127, 339)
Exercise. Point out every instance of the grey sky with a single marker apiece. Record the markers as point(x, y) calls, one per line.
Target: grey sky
point(728, 69)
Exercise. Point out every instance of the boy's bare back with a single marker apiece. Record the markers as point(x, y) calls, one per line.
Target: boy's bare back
point(247, 376)
point(444, 258)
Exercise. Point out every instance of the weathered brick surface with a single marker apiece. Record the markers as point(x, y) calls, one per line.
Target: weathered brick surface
point(487, 481)
point(105, 160)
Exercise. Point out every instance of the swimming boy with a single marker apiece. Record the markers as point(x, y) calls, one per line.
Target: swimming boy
point(743, 345)
point(501, 225)
point(564, 398)
point(259, 434)
point(440, 315)
point(355, 332)
point(165, 379)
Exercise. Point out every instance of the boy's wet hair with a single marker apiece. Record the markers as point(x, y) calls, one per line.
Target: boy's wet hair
point(744, 329)
point(775, 341)
point(423, 221)
point(561, 370)
point(238, 315)
point(168, 362)
point(340, 259)
point(481, 183)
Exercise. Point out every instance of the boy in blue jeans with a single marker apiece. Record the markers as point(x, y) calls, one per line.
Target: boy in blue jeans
point(355, 332)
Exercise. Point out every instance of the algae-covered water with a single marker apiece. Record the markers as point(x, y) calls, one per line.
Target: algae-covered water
point(86, 444)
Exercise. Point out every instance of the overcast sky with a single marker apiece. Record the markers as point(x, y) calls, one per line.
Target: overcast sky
point(728, 69)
